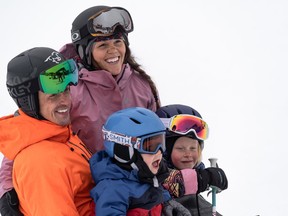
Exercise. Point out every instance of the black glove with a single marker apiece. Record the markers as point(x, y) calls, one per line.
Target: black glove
point(211, 176)
point(174, 208)
point(9, 204)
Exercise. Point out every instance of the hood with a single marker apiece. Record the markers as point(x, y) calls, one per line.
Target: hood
point(19, 132)
point(103, 167)
point(69, 51)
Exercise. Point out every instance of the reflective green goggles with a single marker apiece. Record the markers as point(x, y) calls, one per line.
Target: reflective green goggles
point(56, 79)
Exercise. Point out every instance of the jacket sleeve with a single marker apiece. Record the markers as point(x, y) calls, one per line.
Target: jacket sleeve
point(6, 183)
point(190, 181)
point(111, 198)
point(181, 182)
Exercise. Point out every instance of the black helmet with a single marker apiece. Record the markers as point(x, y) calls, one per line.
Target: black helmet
point(23, 73)
point(98, 21)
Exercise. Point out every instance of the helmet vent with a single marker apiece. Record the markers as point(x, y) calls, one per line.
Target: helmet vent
point(179, 111)
point(134, 120)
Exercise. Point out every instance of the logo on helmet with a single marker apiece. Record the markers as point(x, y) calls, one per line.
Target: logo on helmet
point(120, 138)
point(54, 57)
point(75, 36)
point(20, 90)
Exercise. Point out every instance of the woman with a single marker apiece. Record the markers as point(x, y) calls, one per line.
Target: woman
point(109, 79)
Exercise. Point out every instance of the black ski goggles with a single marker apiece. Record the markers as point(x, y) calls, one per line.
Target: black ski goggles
point(183, 124)
point(104, 23)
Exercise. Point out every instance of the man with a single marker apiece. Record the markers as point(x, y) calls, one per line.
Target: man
point(51, 172)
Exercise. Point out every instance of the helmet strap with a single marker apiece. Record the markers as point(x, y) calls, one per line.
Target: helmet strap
point(123, 154)
point(30, 105)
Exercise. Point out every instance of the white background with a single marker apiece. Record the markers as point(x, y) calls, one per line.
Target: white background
point(227, 59)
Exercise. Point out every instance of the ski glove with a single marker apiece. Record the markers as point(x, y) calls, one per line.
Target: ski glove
point(174, 208)
point(211, 176)
point(9, 204)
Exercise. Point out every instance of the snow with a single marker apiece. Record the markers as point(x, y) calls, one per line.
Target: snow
point(227, 59)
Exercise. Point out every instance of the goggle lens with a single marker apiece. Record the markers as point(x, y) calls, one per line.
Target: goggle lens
point(105, 22)
point(56, 79)
point(151, 144)
point(183, 124)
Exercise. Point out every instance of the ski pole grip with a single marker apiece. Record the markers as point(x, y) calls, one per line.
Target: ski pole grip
point(213, 162)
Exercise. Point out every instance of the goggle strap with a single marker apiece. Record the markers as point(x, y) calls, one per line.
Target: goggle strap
point(83, 32)
point(121, 139)
point(166, 122)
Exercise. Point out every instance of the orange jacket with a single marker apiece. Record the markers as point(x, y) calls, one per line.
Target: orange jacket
point(51, 173)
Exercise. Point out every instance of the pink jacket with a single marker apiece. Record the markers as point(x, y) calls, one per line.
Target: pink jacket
point(99, 94)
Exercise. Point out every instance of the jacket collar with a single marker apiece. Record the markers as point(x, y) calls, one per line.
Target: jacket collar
point(19, 132)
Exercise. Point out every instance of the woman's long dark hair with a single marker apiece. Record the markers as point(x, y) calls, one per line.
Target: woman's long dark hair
point(137, 68)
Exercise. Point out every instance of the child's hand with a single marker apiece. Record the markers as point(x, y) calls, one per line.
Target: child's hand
point(211, 176)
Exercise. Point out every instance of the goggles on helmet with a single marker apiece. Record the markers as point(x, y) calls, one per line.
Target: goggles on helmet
point(56, 79)
point(104, 23)
point(184, 124)
point(148, 144)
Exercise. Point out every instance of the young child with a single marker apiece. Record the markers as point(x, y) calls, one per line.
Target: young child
point(186, 132)
point(129, 172)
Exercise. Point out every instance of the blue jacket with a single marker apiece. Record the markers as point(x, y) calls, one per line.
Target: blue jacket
point(118, 190)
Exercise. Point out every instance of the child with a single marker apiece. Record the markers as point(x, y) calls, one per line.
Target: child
point(129, 173)
point(186, 132)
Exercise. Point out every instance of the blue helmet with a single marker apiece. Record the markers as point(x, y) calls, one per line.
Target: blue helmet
point(133, 128)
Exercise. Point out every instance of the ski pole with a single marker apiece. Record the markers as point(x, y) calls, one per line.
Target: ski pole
point(213, 163)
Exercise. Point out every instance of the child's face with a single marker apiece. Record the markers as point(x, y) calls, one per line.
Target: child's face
point(153, 161)
point(185, 153)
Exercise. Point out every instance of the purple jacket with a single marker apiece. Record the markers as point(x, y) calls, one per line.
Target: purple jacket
point(97, 95)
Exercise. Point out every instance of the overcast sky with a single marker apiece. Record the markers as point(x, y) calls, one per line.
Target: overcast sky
point(227, 59)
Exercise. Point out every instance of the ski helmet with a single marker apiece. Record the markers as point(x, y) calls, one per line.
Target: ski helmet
point(170, 111)
point(133, 129)
point(38, 69)
point(99, 21)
